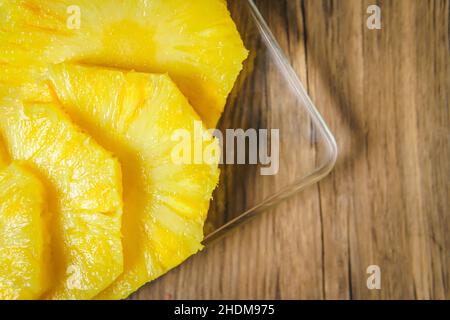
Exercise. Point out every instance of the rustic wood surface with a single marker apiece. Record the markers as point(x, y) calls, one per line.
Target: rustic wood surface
point(385, 94)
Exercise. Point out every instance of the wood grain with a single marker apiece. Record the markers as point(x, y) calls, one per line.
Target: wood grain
point(385, 94)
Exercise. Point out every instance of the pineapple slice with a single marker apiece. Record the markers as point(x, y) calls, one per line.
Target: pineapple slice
point(196, 42)
point(23, 236)
point(84, 185)
point(4, 158)
point(165, 204)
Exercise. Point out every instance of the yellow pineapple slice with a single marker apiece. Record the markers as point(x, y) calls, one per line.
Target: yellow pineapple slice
point(84, 185)
point(4, 158)
point(196, 42)
point(165, 202)
point(23, 234)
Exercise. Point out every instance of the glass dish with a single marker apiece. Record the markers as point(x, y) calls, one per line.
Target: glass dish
point(268, 95)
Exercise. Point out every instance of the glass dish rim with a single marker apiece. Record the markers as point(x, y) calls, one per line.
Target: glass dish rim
point(315, 176)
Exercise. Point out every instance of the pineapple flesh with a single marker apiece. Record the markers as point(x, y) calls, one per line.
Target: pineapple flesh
point(165, 202)
point(4, 157)
point(185, 55)
point(83, 182)
point(23, 242)
point(196, 42)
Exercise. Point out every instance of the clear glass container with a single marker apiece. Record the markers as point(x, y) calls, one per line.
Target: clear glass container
point(268, 96)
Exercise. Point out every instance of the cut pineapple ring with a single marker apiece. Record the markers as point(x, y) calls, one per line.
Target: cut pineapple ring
point(23, 242)
point(165, 204)
point(196, 42)
point(84, 186)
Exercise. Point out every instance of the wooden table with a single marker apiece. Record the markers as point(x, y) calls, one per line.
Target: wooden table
point(385, 94)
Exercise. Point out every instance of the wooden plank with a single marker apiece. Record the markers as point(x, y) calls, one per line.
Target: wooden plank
point(386, 93)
